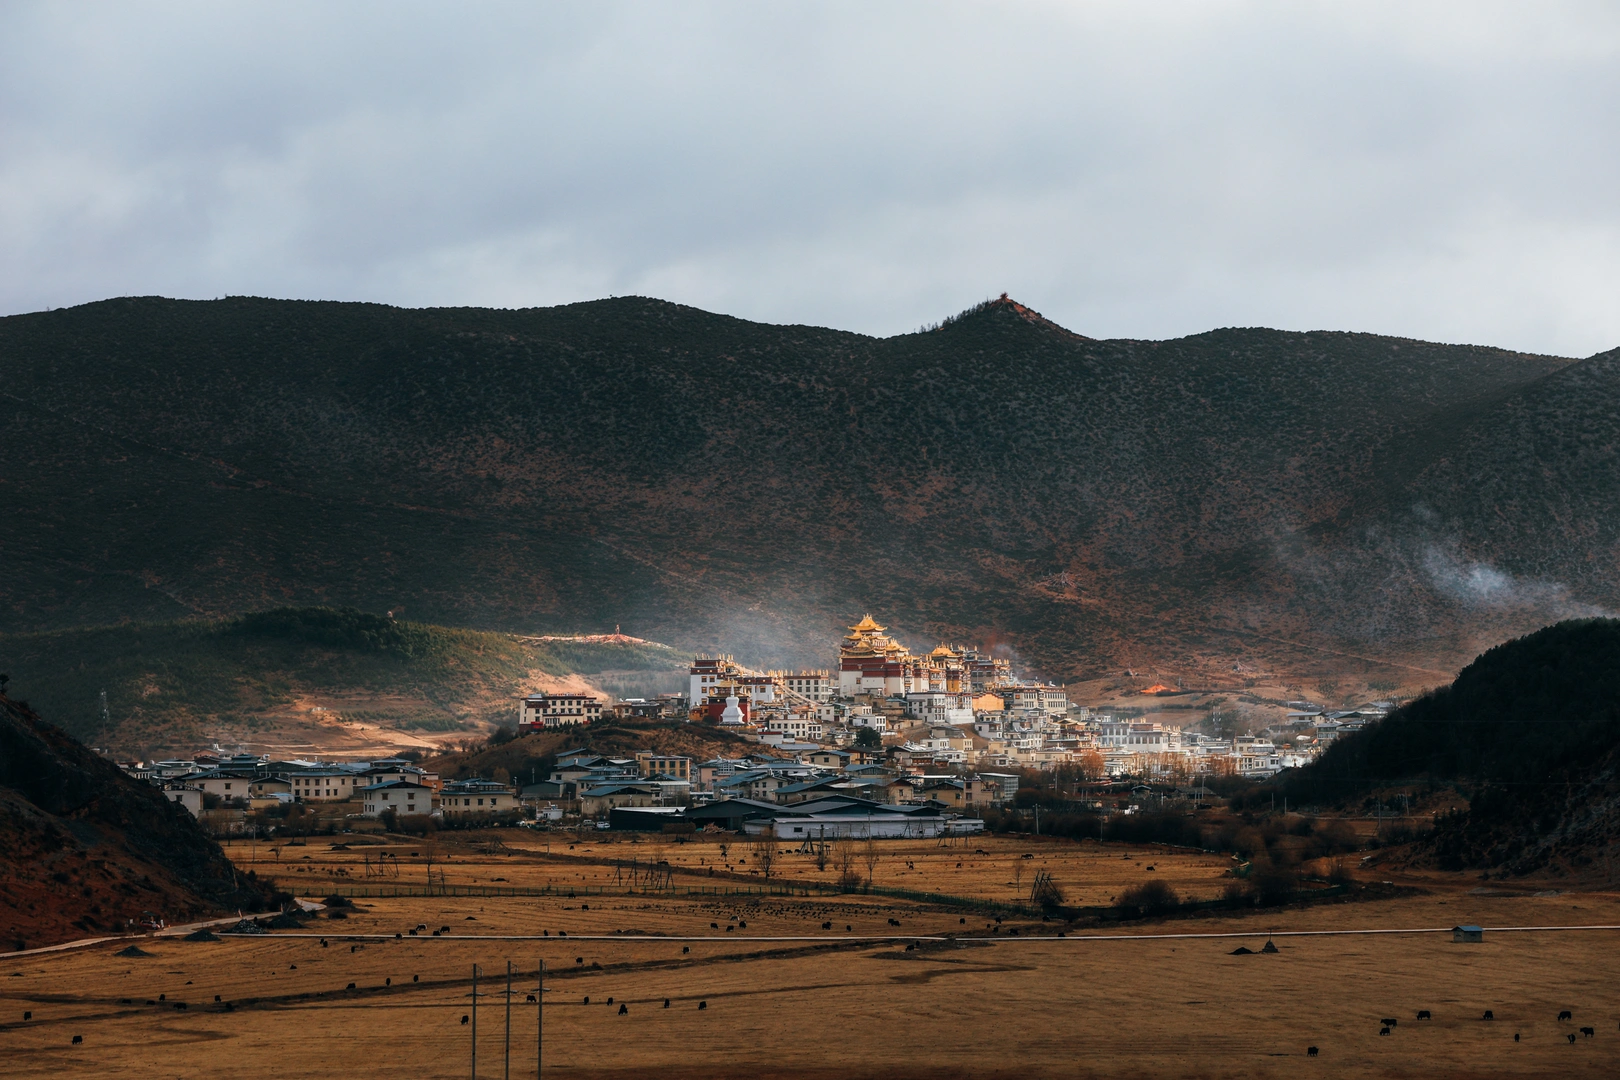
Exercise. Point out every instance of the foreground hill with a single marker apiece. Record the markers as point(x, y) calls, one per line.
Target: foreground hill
point(1296, 502)
point(298, 680)
point(1531, 729)
point(84, 849)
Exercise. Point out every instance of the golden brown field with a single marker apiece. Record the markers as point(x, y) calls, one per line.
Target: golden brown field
point(835, 1005)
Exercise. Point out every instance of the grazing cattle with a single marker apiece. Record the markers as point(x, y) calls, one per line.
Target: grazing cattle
point(894, 922)
point(353, 947)
point(464, 1019)
point(1383, 1031)
point(1571, 1040)
point(1515, 1036)
point(730, 928)
point(30, 1016)
point(666, 1003)
point(848, 928)
point(579, 959)
point(216, 997)
point(1423, 1014)
point(163, 997)
point(623, 1009)
point(323, 943)
point(180, 1005)
point(1488, 1015)
point(826, 926)
point(414, 978)
point(686, 949)
point(714, 926)
point(388, 981)
point(1310, 1051)
point(587, 999)
point(1589, 1032)
point(126, 1001)
point(349, 987)
point(1566, 1015)
point(1387, 1023)
point(530, 997)
point(961, 921)
point(77, 1039)
point(743, 923)
point(703, 1005)
point(610, 1001)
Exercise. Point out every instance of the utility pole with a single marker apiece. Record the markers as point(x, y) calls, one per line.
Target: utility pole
point(506, 1072)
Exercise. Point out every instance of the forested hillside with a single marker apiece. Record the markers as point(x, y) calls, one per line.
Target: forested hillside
point(1530, 731)
point(1254, 499)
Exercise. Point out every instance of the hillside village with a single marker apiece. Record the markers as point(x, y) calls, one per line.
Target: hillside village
point(890, 743)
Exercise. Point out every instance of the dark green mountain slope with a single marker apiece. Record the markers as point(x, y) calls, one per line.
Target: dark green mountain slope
point(1532, 728)
point(256, 679)
point(717, 482)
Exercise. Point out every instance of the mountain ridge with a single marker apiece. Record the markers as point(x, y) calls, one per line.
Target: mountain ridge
point(726, 484)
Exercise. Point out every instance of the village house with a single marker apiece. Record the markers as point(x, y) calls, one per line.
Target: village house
point(543, 710)
point(189, 798)
point(837, 760)
point(263, 787)
point(221, 785)
point(815, 686)
point(597, 801)
point(670, 765)
point(323, 785)
point(400, 796)
point(460, 798)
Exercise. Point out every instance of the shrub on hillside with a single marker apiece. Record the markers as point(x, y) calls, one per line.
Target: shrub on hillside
point(1273, 885)
point(1150, 898)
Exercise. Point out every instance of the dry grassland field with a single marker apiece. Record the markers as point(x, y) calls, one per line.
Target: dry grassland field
point(985, 868)
point(849, 1001)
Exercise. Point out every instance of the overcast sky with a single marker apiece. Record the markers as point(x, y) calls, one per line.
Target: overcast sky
point(1139, 169)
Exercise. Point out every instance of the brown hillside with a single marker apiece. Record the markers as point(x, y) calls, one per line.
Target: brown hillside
point(84, 849)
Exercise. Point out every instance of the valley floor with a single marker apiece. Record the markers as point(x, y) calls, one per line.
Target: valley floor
point(835, 1002)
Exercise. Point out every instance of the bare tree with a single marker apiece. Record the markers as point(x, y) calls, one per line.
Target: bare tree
point(844, 859)
point(821, 849)
point(764, 850)
point(429, 854)
point(870, 854)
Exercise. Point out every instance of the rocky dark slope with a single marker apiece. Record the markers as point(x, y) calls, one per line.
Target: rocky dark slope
point(1530, 731)
point(1297, 501)
point(84, 849)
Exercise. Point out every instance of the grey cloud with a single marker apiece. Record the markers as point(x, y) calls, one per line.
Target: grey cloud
point(1438, 171)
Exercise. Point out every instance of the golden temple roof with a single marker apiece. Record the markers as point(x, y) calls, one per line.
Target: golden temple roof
point(866, 626)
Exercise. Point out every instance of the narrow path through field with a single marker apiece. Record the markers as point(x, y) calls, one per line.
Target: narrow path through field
point(1010, 939)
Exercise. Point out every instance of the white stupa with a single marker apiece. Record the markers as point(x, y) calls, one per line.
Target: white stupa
point(731, 714)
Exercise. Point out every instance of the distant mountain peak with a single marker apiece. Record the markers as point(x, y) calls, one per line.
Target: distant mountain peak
point(1004, 306)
